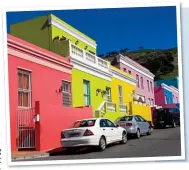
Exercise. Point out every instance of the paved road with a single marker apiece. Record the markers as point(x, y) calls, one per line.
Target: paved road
point(162, 142)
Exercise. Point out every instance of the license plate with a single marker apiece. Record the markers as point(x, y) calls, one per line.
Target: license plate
point(161, 121)
point(73, 135)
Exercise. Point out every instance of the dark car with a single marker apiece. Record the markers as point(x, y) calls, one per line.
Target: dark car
point(164, 117)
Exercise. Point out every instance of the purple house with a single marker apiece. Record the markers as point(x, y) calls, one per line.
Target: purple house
point(145, 79)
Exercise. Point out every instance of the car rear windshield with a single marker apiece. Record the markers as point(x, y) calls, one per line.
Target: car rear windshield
point(126, 118)
point(83, 123)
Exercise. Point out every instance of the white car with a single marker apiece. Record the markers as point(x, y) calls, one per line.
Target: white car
point(93, 132)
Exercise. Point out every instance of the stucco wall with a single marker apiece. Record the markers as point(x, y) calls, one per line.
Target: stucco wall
point(140, 90)
point(78, 89)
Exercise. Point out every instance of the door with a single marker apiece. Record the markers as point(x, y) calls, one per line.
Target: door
point(105, 130)
point(114, 131)
point(139, 124)
point(145, 124)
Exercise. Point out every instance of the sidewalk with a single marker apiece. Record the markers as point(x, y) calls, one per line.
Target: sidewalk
point(22, 155)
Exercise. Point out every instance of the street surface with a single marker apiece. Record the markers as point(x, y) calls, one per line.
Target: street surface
point(162, 142)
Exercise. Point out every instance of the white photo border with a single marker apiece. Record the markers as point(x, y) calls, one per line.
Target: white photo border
point(94, 6)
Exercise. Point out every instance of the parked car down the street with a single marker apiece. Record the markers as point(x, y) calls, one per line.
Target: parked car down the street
point(167, 116)
point(135, 125)
point(93, 132)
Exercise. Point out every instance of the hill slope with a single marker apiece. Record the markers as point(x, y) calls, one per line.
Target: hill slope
point(162, 63)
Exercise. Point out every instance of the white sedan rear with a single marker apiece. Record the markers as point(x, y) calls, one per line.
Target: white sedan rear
point(93, 132)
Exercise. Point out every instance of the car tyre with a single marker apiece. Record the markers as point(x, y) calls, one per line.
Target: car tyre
point(124, 138)
point(174, 124)
point(138, 134)
point(102, 143)
point(149, 131)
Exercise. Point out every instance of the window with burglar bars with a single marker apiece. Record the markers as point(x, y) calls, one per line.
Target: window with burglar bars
point(24, 89)
point(66, 93)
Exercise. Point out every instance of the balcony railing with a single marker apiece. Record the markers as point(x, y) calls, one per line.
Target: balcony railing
point(122, 108)
point(80, 54)
point(111, 107)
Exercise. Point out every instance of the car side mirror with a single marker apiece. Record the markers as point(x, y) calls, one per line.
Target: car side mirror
point(117, 125)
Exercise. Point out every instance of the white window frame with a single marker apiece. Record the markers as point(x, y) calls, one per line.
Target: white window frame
point(138, 80)
point(120, 95)
point(108, 95)
point(148, 84)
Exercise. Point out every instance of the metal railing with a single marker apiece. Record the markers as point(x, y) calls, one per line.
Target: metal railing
point(111, 107)
point(122, 108)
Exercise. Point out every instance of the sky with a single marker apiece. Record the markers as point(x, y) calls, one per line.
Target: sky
point(117, 28)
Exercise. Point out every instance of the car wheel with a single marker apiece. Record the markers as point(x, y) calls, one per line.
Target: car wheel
point(124, 138)
point(138, 133)
point(149, 131)
point(102, 144)
point(174, 124)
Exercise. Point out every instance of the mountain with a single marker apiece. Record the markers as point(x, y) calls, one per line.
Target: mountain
point(162, 63)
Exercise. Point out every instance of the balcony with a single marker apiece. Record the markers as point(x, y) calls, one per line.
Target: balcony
point(122, 108)
point(86, 57)
point(111, 107)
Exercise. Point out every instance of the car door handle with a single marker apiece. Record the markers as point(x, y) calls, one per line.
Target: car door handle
point(112, 129)
point(103, 129)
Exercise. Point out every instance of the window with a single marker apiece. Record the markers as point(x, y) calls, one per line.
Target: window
point(66, 93)
point(137, 119)
point(124, 69)
point(109, 123)
point(120, 94)
point(141, 119)
point(108, 95)
point(83, 123)
point(148, 85)
point(165, 99)
point(151, 87)
point(129, 71)
point(24, 88)
point(127, 118)
point(103, 123)
point(142, 84)
point(137, 78)
point(86, 92)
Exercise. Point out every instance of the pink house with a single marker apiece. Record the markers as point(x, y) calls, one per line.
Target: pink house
point(145, 79)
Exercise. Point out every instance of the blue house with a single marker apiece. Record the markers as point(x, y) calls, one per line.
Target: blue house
point(168, 96)
point(170, 82)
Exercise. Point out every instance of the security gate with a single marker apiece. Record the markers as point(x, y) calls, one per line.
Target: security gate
point(26, 129)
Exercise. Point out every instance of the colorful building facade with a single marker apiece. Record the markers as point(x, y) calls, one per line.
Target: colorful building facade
point(40, 90)
point(166, 96)
point(53, 34)
point(84, 84)
point(145, 79)
point(90, 74)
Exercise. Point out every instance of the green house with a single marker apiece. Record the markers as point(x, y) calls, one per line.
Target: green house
point(53, 34)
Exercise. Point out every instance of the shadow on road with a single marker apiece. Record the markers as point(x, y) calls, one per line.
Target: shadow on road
point(78, 151)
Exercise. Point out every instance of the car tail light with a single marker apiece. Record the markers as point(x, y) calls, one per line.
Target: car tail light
point(88, 133)
point(129, 124)
point(62, 135)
